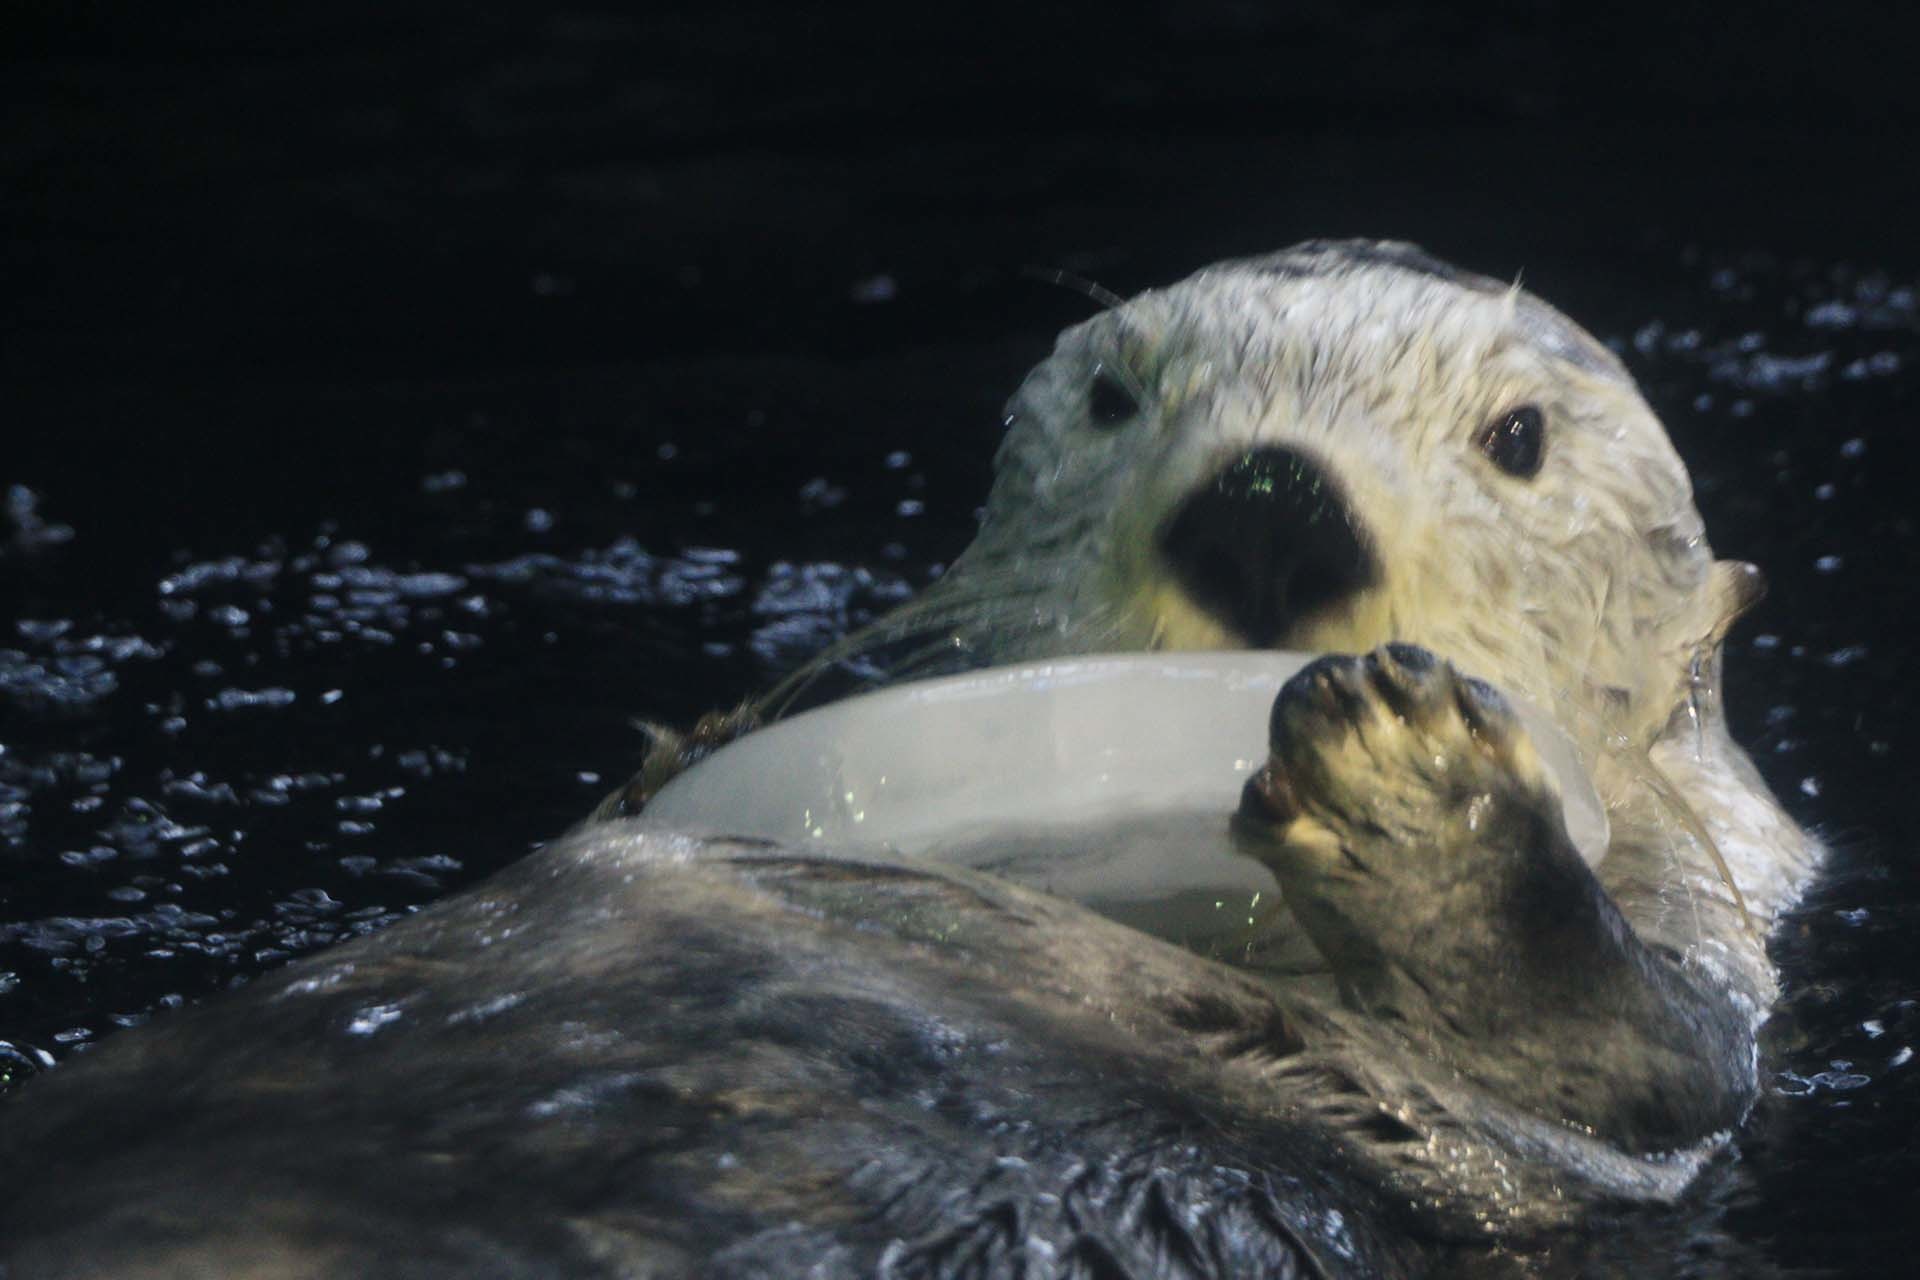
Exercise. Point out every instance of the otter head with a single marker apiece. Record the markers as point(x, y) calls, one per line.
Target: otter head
point(1346, 444)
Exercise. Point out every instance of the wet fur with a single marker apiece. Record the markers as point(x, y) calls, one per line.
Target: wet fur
point(1419, 842)
point(639, 1054)
point(1589, 589)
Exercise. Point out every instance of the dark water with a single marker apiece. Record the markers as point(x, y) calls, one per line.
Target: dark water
point(396, 407)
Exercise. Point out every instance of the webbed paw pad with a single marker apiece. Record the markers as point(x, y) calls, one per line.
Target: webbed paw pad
point(1395, 748)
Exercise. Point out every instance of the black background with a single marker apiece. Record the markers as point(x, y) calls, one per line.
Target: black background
point(201, 201)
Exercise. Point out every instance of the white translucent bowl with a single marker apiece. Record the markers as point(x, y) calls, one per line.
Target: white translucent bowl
point(1109, 779)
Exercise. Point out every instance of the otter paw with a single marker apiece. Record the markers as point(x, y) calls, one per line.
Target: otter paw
point(1399, 795)
point(1385, 745)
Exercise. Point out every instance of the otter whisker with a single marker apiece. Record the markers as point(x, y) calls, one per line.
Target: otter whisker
point(1678, 807)
point(1595, 732)
point(924, 659)
point(1079, 284)
point(960, 616)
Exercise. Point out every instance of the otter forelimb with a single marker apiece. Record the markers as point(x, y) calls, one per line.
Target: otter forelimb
point(1418, 842)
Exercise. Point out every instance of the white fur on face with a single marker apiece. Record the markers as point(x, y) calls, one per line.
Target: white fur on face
point(1583, 584)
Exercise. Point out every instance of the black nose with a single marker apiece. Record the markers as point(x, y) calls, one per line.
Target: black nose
point(1268, 541)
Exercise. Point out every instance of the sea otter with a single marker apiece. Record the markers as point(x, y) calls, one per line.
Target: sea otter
point(644, 1053)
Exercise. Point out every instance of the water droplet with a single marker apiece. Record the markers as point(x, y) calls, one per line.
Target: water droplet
point(371, 1019)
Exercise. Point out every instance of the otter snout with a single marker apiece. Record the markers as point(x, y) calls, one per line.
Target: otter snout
point(1268, 541)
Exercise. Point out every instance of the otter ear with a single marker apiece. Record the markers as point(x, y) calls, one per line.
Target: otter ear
point(1734, 587)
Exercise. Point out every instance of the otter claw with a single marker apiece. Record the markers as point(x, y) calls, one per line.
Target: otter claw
point(1268, 798)
point(1385, 748)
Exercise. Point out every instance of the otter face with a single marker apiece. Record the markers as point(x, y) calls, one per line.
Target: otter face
point(1347, 444)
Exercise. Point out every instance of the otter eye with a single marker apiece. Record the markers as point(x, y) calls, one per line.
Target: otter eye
point(1109, 403)
point(1515, 440)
